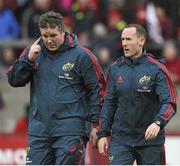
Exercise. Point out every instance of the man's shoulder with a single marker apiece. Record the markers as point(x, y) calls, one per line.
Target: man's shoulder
point(85, 53)
point(155, 61)
point(79, 51)
point(84, 50)
point(119, 62)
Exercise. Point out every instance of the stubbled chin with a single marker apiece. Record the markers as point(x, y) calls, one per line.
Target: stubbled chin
point(52, 49)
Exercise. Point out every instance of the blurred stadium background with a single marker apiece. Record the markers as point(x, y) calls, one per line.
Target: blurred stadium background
point(98, 24)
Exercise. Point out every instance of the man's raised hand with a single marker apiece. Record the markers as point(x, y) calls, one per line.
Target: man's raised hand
point(34, 50)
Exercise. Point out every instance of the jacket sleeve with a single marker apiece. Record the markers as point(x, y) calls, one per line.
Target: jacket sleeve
point(20, 73)
point(166, 91)
point(94, 85)
point(109, 106)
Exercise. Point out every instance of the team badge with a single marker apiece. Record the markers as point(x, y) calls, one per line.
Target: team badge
point(68, 67)
point(144, 81)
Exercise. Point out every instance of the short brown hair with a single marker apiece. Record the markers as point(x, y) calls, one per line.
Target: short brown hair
point(52, 19)
point(139, 29)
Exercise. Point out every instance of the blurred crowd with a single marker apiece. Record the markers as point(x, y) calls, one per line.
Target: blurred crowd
point(98, 24)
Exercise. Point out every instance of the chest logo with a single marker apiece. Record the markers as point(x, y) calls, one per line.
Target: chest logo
point(68, 67)
point(119, 80)
point(144, 80)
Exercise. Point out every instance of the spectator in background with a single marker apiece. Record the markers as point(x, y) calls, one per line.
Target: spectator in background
point(9, 27)
point(62, 5)
point(153, 27)
point(159, 25)
point(83, 15)
point(22, 124)
point(115, 17)
point(165, 23)
point(140, 13)
point(101, 38)
point(170, 53)
point(104, 59)
point(31, 16)
point(7, 58)
point(115, 22)
point(68, 22)
point(171, 9)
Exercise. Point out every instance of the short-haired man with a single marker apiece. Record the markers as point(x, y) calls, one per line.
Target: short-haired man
point(140, 99)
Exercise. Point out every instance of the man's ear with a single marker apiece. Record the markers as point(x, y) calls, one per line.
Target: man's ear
point(142, 41)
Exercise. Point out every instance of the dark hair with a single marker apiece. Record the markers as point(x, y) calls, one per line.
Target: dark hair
point(52, 19)
point(139, 29)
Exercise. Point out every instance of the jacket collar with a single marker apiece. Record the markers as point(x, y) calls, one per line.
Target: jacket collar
point(136, 61)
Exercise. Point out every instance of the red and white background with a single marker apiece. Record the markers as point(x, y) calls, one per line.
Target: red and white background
point(12, 149)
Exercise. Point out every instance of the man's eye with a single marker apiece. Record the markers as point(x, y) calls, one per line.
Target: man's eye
point(53, 35)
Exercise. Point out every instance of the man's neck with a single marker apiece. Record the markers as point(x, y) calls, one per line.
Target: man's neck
point(136, 56)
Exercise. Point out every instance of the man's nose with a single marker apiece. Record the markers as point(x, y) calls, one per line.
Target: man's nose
point(124, 44)
point(49, 40)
